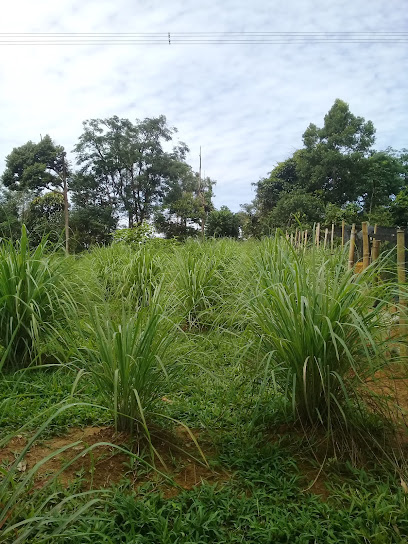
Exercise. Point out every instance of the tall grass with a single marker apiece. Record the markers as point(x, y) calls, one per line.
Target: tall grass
point(32, 294)
point(126, 362)
point(122, 274)
point(320, 329)
point(198, 275)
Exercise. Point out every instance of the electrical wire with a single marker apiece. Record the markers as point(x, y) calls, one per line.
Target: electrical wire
point(200, 38)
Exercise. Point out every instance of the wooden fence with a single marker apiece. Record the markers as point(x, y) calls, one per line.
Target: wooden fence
point(365, 242)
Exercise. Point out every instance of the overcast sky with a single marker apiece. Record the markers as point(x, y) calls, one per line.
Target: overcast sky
point(246, 105)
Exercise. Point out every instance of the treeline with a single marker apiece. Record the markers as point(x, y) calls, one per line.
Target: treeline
point(337, 175)
point(136, 171)
point(123, 169)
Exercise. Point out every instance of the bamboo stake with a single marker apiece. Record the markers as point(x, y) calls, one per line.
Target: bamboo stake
point(291, 238)
point(332, 238)
point(296, 237)
point(343, 225)
point(366, 246)
point(326, 235)
point(375, 251)
point(401, 281)
point(318, 234)
point(375, 246)
point(305, 237)
point(352, 245)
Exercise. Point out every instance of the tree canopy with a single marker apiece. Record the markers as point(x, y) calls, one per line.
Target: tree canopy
point(137, 171)
point(337, 174)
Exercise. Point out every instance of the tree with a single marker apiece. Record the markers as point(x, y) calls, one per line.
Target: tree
point(381, 181)
point(10, 224)
point(335, 156)
point(223, 223)
point(282, 179)
point(294, 208)
point(45, 216)
point(36, 167)
point(128, 162)
point(94, 217)
point(186, 203)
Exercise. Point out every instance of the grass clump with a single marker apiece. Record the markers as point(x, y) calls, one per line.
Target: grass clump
point(32, 297)
point(319, 329)
point(125, 360)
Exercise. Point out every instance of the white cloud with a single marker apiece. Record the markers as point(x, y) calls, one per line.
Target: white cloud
point(246, 105)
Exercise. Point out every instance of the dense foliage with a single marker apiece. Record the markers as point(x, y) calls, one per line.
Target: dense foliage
point(127, 171)
point(336, 170)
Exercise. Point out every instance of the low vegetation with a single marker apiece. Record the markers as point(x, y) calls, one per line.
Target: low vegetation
point(215, 391)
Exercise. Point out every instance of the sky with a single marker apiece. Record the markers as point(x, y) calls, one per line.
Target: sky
point(246, 105)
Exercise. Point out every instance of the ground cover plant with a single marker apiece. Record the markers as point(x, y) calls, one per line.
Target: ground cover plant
point(215, 391)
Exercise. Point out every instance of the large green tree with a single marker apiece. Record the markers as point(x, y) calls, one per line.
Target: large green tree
point(38, 167)
point(336, 170)
point(45, 216)
point(186, 204)
point(35, 167)
point(129, 163)
point(335, 156)
point(223, 223)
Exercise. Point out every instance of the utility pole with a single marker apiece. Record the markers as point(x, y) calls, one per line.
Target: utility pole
point(201, 193)
point(65, 194)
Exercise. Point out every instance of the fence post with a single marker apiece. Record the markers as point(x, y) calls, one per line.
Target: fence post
point(375, 250)
point(318, 234)
point(366, 246)
point(332, 238)
point(305, 237)
point(401, 282)
point(351, 248)
point(326, 235)
point(343, 225)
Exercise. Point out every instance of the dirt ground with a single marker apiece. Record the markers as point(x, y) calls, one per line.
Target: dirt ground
point(94, 457)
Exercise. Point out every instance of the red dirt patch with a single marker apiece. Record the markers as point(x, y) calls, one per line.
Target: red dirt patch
point(100, 466)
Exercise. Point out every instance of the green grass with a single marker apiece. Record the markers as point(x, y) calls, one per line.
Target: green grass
point(222, 331)
point(32, 299)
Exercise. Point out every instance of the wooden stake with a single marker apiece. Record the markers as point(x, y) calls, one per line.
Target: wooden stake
point(375, 247)
point(375, 250)
point(305, 237)
point(332, 238)
point(343, 225)
point(326, 235)
point(296, 237)
point(318, 235)
point(366, 246)
point(352, 245)
point(401, 281)
point(291, 238)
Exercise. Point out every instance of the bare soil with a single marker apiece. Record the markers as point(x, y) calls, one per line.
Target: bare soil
point(101, 464)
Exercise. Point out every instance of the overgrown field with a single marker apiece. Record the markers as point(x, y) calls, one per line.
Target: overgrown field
point(205, 392)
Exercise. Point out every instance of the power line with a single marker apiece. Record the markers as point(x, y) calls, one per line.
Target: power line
point(193, 38)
